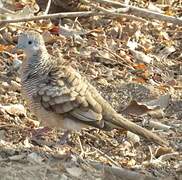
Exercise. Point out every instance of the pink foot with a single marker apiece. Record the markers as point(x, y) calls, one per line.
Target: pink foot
point(40, 131)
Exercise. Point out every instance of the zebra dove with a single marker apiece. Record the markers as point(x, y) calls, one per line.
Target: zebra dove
point(61, 98)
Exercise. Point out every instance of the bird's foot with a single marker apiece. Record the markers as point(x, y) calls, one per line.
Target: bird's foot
point(40, 132)
point(64, 138)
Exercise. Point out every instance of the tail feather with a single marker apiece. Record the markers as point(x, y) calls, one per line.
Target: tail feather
point(120, 121)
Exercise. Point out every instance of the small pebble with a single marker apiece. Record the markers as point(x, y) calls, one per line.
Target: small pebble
point(16, 64)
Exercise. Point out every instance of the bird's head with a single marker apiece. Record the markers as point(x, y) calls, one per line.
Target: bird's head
point(31, 43)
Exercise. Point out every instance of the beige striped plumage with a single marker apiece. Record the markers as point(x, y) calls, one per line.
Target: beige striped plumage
point(57, 94)
point(60, 97)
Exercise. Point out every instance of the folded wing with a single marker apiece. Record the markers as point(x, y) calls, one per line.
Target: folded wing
point(68, 94)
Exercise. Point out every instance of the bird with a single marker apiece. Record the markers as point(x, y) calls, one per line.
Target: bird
point(61, 98)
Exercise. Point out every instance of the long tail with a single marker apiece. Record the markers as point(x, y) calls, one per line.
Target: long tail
point(112, 117)
point(120, 121)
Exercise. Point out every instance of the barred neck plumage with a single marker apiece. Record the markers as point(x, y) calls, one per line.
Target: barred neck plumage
point(41, 58)
point(38, 64)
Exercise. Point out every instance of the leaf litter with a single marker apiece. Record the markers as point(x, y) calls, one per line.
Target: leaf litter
point(136, 66)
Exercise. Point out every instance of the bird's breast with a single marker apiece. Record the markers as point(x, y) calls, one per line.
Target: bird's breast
point(30, 82)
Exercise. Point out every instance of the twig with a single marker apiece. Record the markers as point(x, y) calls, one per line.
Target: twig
point(115, 12)
point(132, 10)
point(101, 8)
point(48, 7)
point(143, 12)
point(168, 156)
point(56, 15)
point(151, 154)
point(69, 14)
point(158, 125)
point(106, 156)
point(177, 87)
point(11, 125)
point(119, 57)
point(110, 2)
point(2, 9)
point(72, 14)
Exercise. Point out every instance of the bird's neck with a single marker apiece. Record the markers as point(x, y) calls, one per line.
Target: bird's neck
point(38, 63)
point(38, 58)
point(35, 53)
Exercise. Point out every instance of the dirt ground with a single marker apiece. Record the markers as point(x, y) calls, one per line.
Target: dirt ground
point(136, 66)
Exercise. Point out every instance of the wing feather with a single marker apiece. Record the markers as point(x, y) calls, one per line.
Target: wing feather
point(70, 97)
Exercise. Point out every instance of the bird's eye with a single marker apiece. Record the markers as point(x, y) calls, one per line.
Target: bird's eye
point(29, 42)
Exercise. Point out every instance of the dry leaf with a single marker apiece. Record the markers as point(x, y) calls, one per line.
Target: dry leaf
point(139, 108)
point(157, 125)
point(162, 150)
point(139, 80)
point(165, 52)
point(162, 102)
point(74, 171)
point(141, 57)
point(34, 157)
point(14, 109)
point(135, 108)
point(133, 137)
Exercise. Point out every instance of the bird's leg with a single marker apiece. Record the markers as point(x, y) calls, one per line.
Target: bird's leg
point(64, 138)
point(83, 152)
point(40, 131)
